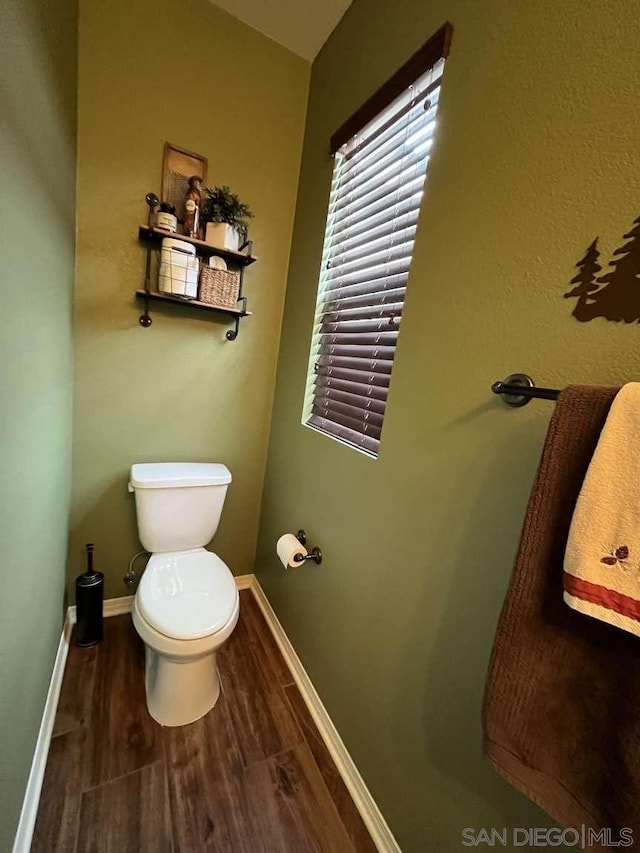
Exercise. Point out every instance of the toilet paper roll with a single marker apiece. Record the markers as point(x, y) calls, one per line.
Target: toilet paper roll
point(288, 546)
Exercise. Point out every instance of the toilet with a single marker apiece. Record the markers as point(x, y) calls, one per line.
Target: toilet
point(187, 603)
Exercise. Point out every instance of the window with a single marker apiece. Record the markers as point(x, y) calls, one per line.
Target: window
point(381, 157)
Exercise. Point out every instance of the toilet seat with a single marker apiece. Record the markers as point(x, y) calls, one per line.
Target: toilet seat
point(187, 595)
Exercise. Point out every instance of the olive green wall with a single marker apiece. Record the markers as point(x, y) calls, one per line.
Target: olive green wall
point(186, 72)
point(37, 199)
point(536, 154)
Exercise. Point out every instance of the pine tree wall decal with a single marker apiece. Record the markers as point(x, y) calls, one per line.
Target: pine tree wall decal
point(585, 282)
point(619, 299)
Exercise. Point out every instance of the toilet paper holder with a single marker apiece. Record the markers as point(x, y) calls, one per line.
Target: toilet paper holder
point(314, 554)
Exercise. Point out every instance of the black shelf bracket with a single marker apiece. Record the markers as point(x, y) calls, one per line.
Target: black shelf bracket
point(232, 334)
point(145, 318)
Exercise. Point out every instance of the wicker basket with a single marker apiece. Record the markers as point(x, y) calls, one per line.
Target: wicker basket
point(219, 287)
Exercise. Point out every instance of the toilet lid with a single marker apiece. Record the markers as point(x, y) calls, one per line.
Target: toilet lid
point(187, 594)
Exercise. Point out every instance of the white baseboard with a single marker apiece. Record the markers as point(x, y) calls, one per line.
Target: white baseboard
point(378, 828)
point(374, 821)
point(27, 822)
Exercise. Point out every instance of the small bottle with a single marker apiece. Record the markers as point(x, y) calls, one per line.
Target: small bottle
point(89, 595)
point(192, 204)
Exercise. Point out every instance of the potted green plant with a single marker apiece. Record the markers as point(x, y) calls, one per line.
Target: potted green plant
point(226, 218)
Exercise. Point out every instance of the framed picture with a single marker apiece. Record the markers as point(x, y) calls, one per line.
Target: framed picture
point(178, 165)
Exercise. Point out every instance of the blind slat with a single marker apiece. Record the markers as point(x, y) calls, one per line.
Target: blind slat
point(357, 414)
point(372, 404)
point(392, 275)
point(372, 339)
point(349, 436)
point(368, 312)
point(372, 365)
point(384, 297)
point(350, 392)
point(386, 284)
point(361, 328)
point(365, 425)
point(349, 351)
point(360, 377)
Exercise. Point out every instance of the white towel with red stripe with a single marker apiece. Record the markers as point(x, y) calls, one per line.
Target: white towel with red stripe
point(602, 560)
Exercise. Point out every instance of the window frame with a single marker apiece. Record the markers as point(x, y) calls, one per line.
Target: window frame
point(434, 50)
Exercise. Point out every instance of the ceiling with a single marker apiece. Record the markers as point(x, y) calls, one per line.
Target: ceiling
point(301, 25)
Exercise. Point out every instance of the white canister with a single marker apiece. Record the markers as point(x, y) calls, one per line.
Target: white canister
point(176, 251)
point(166, 221)
point(178, 275)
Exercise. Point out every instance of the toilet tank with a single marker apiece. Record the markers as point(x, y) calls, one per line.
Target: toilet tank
point(178, 504)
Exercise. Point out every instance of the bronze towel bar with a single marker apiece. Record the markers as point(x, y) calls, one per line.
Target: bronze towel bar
point(518, 388)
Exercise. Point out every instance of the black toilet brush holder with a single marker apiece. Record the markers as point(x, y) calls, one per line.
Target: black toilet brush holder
point(89, 598)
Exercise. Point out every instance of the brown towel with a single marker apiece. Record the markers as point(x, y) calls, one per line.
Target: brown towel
point(561, 709)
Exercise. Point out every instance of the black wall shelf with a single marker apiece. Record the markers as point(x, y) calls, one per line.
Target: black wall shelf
point(236, 313)
point(153, 238)
point(192, 303)
point(203, 250)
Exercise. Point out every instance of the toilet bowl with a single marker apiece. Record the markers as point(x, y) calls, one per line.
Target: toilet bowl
point(187, 603)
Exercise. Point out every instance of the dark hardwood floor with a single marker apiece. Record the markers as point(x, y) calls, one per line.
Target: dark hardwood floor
point(253, 775)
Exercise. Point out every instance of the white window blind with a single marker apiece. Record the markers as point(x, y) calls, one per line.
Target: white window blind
point(374, 205)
